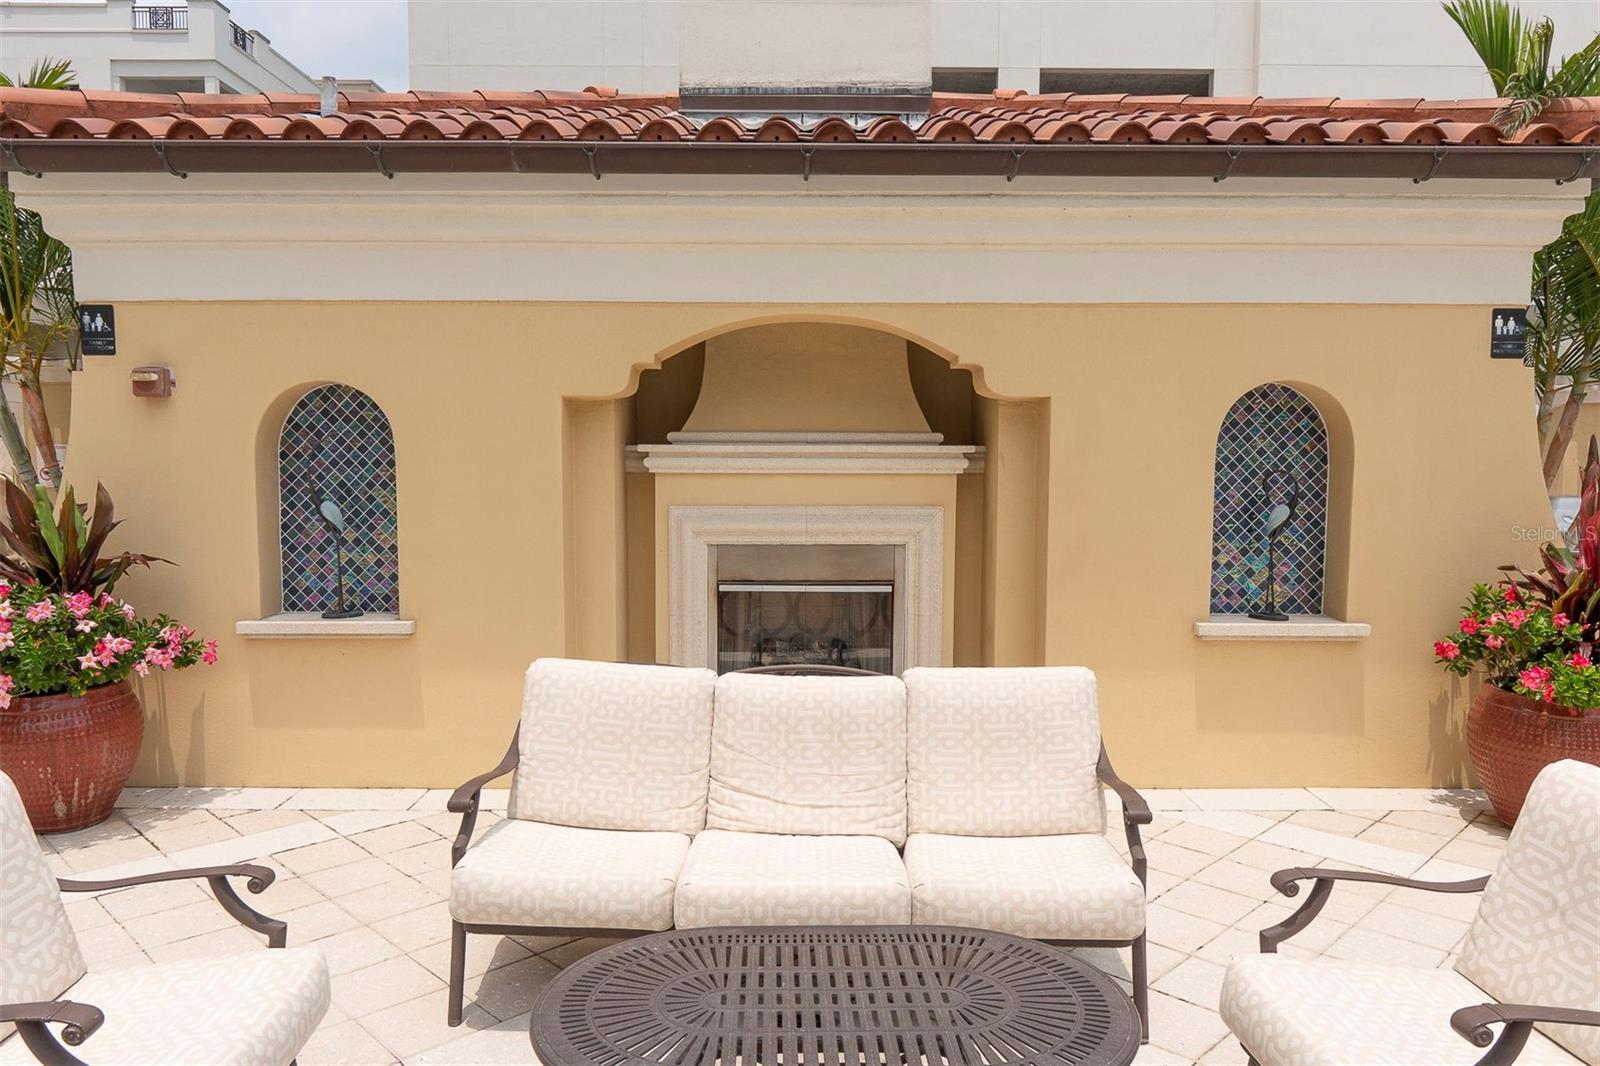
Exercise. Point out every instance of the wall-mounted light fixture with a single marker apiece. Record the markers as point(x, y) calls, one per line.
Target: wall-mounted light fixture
point(154, 382)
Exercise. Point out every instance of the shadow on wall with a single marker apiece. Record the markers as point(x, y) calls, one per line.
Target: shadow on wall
point(1448, 762)
point(316, 684)
point(1272, 687)
point(158, 762)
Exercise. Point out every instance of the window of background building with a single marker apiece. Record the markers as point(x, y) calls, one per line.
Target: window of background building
point(965, 79)
point(1131, 82)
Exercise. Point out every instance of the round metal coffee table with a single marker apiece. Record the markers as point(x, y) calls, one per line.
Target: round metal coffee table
point(838, 995)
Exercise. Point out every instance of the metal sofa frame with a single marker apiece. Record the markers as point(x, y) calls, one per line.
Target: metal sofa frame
point(80, 1020)
point(465, 802)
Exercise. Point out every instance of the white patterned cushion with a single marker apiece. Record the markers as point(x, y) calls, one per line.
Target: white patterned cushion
point(1003, 751)
point(1288, 1011)
point(765, 879)
point(1536, 937)
point(38, 950)
point(614, 746)
point(254, 1009)
point(1048, 888)
point(809, 755)
point(530, 873)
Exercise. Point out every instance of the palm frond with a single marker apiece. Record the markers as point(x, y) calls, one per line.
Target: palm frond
point(48, 73)
point(1494, 29)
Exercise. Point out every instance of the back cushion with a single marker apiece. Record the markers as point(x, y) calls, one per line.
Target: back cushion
point(614, 746)
point(816, 756)
point(39, 957)
point(1003, 751)
point(1536, 937)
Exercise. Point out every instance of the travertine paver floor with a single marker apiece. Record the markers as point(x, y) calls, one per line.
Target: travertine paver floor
point(363, 874)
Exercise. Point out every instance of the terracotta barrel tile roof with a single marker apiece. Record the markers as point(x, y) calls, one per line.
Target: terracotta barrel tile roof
point(1006, 121)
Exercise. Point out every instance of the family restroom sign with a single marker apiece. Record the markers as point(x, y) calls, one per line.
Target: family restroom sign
point(97, 329)
point(1508, 336)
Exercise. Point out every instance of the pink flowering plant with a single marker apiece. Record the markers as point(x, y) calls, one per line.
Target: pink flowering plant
point(1523, 646)
point(52, 642)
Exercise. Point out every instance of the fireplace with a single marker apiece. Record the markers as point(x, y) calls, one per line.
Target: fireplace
point(782, 604)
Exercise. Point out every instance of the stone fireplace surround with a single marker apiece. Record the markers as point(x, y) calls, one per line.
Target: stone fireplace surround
point(694, 532)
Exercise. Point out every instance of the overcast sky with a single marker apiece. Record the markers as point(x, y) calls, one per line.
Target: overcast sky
point(345, 38)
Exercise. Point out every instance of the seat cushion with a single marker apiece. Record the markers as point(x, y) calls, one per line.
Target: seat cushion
point(813, 756)
point(1289, 1011)
point(765, 879)
point(1536, 936)
point(1003, 751)
point(257, 1008)
point(1047, 888)
point(39, 953)
point(534, 874)
point(614, 746)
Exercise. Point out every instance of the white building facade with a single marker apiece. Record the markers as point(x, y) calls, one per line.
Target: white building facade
point(139, 47)
point(1282, 48)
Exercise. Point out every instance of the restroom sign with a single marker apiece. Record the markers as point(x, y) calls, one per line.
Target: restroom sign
point(1508, 333)
point(97, 329)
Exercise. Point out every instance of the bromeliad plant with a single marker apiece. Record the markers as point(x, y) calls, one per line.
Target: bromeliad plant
point(61, 551)
point(61, 629)
point(52, 643)
point(1534, 633)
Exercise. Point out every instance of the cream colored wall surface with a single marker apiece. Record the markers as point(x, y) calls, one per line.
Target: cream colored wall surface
point(1136, 393)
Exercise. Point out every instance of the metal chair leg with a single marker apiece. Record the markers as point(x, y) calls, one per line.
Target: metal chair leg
point(458, 971)
point(1141, 988)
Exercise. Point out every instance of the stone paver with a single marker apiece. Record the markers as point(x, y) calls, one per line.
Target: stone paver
point(363, 874)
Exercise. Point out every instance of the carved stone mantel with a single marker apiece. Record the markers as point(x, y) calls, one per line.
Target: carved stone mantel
point(694, 531)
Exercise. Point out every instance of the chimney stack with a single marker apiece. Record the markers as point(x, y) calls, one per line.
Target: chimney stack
point(328, 104)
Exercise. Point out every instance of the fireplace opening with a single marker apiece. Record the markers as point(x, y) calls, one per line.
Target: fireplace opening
point(790, 604)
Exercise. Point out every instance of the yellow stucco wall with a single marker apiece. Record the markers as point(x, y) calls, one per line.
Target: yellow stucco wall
point(1128, 403)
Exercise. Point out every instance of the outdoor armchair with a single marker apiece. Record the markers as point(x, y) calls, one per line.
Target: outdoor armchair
point(255, 1009)
point(1530, 961)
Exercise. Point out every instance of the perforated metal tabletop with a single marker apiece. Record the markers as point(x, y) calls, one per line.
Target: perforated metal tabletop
point(842, 995)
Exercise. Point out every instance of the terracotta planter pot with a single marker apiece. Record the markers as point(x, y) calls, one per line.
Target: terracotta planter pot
point(71, 755)
point(1511, 738)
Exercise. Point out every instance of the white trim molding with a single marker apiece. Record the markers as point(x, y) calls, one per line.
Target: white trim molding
point(1297, 627)
point(833, 240)
point(694, 531)
point(849, 454)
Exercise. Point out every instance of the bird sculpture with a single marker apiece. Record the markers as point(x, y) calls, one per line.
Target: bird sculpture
point(1276, 522)
point(333, 518)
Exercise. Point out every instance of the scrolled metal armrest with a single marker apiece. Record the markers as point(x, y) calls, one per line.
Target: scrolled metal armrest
point(466, 795)
point(78, 1022)
point(258, 878)
point(464, 800)
point(1518, 1018)
point(1135, 811)
point(1286, 881)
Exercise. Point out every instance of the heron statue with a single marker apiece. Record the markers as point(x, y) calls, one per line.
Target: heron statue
point(1277, 521)
point(333, 518)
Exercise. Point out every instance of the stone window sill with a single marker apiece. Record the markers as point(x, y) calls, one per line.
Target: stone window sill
point(307, 624)
point(1300, 627)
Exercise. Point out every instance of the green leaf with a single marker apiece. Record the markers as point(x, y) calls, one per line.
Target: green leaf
point(47, 524)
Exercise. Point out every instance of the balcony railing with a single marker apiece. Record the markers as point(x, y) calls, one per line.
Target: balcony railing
point(242, 40)
point(160, 18)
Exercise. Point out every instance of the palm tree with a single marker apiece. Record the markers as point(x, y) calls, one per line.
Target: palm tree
point(1564, 310)
point(38, 319)
point(46, 73)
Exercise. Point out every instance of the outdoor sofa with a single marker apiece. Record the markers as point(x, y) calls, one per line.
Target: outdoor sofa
point(647, 798)
point(1531, 958)
point(254, 1009)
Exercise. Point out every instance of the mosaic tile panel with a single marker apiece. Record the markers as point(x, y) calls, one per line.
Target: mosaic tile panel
point(1270, 428)
point(336, 444)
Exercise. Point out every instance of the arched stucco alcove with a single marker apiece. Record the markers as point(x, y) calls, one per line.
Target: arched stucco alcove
point(823, 379)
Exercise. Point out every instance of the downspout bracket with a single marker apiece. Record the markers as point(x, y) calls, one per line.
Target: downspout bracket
point(161, 152)
point(10, 151)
